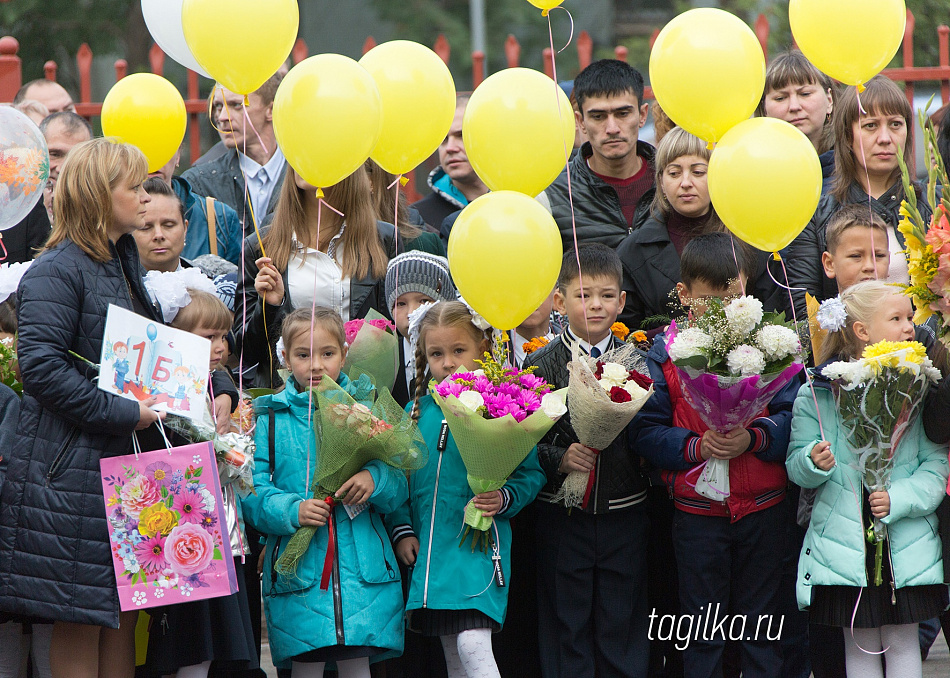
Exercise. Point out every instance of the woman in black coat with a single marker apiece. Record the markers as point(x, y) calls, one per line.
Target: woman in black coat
point(55, 559)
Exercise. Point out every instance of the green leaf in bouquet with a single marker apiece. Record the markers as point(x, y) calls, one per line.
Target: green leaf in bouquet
point(695, 362)
point(258, 392)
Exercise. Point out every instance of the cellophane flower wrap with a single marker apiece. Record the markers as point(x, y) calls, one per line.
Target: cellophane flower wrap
point(496, 415)
point(731, 361)
point(928, 243)
point(373, 349)
point(351, 435)
point(879, 398)
point(603, 396)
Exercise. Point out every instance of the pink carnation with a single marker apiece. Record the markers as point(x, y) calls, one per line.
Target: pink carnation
point(138, 494)
point(188, 549)
point(529, 400)
point(482, 384)
point(532, 382)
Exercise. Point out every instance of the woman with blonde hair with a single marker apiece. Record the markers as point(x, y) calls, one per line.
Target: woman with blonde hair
point(55, 556)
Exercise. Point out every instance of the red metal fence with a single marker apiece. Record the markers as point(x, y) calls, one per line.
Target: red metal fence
point(11, 75)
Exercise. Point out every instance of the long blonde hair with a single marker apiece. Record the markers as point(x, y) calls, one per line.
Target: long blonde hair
point(82, 200)
point(442, 314)
point(861, 301)
point(362, 248)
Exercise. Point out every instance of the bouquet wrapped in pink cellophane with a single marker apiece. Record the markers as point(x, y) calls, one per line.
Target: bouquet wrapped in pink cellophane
point(731, 361)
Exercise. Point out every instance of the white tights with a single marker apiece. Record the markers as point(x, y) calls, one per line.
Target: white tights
point(469, 655)
point(902, 656)
point(194, 671)
point(12, 646)
point(351, 668)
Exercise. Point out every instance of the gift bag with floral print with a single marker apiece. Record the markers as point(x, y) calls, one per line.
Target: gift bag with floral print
point(167, 527)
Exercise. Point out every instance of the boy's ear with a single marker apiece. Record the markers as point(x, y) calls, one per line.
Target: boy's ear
point(861, 331)
point(682, 291)
point(623, 300)
point(828, 263)
point(559, 305)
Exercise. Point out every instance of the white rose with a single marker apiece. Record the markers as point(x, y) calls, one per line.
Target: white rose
point(634, 389)
point(472, 400)
point(552, 404)
point(743, 314)
point(745, 360)
point(613, 375)
point(479, 373)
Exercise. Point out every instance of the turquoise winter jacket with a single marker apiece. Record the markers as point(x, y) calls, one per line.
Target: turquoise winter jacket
point(365, 607)
point(834, 548)
point(446, 576)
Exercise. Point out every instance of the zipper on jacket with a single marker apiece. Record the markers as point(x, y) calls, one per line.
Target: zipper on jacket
point(273, 564)
point(337, 591)
point(890, 560)
point(382, 546)
point(60, 455)
point(443, 442)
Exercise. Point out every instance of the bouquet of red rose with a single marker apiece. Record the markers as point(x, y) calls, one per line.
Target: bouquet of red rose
point(603, 396)
point(373, 349)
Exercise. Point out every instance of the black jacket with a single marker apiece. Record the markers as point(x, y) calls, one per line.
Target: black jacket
point(24, 241)
point(803, 255)
point(597, 212)
point(435, 207)
point(222, 179)
point(651, 269)
point(257, 334)
point(55, 559)
point(619, 481)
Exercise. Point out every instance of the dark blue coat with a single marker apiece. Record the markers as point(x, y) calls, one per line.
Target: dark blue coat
point(55, 559)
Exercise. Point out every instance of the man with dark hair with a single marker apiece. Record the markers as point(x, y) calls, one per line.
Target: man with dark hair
point(252, 152)
point(62, 131)
point(454, 182)
point(612, 174)
point(49, 93)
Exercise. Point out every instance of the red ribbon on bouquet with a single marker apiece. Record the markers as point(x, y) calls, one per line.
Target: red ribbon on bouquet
point(590, 481)
point(331, 547)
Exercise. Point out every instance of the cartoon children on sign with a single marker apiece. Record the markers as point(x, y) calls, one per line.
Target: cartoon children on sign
point(141, 359)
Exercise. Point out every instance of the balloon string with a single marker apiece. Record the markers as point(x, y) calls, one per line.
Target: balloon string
point(313, 312)
point(247, 119)
point(399, 180)
point(567, 171)
point(4, 248)
point(867, 176)
point(735, 257)
point(787, 286)
point(570, 37)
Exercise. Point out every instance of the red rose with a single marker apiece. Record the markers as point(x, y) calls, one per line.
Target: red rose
point(619, 395)
point(640, 380)
point(599, 372)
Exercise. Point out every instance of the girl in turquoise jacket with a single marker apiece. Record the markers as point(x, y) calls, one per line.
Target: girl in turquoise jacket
point(361, 614)
point(836, 565)
point(454, 592)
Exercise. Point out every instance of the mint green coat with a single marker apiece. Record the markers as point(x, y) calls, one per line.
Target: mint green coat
point(446, 576)
point(834, 548)
point(300, 615)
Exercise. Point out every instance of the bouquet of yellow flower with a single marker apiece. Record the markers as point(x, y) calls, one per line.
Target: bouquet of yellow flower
point(879, 397)
point(638, 338)
point(928, 244)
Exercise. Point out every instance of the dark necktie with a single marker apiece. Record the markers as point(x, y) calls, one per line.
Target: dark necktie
point(594, 352)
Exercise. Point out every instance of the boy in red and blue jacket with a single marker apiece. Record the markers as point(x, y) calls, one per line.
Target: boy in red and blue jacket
point(728, 553)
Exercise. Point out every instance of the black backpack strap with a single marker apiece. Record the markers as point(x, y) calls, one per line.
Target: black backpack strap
point(270, 440)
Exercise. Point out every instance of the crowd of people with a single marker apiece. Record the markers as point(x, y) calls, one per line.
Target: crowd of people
point(583, 587)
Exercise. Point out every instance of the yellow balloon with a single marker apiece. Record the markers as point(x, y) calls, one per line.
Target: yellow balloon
point(765, 182)
point(240, 43)
point(518, 129)
point(147, 111)
point(707, 70)
point(327, 117)
point(418, 96)
point(491, 242)
point(850, 40)
point(546, 5)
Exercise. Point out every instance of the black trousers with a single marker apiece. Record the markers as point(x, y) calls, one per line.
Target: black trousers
point(592, 592)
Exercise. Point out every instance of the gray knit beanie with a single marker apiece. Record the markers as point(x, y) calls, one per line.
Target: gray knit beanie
point(417, 271)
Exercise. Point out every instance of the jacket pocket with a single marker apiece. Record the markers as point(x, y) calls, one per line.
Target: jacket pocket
point(304, 575)
point(374, 553)
point(62, 455)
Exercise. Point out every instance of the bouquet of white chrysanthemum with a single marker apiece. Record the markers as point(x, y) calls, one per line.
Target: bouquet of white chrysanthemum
point(731, 361)
point(879, 398)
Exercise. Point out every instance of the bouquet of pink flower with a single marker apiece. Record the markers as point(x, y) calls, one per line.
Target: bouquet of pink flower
point(496, 416)
point(373, 349)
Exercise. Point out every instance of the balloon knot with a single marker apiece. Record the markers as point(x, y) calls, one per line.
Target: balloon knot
point(320, 193)
point(710, 145)
point(545, 12)
point(776, 256)
point(403, 180)
point(860, 87)
point(246, 101)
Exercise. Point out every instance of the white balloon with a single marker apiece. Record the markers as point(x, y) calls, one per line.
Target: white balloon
point(163, 18)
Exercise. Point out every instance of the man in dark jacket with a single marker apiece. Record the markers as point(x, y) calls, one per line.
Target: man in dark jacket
point(252, 161)
point(454, 183)
point(23, 241)
point(612, 175)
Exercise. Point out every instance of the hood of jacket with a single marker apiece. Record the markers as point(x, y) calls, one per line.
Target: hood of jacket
point(441, 183)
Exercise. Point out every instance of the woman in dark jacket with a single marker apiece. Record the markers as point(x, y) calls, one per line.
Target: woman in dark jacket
point(867, 172)
point(681, 210)
point(341, 265)
point(55, 559)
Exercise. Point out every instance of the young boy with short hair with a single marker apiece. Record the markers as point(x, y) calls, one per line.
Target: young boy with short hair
point(856, 247)
point(728, 553)
point(414, 278)
point(591, 562)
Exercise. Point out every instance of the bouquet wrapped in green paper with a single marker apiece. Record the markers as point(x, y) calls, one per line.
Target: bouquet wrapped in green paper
point(373, 349)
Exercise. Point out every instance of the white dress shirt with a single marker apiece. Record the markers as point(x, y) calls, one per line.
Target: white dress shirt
point(315, 278)
point(261, 180)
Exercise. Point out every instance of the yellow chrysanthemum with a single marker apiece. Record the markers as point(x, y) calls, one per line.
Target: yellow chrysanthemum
point(619, 330)
point(892, 353)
